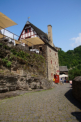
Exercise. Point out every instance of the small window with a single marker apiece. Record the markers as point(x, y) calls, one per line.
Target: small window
point(51, 61)
point(29, 29)
point(30, 48)
point(40, 48)
point(25, 30)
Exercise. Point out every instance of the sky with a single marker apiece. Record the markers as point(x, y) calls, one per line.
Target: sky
point(63, 15)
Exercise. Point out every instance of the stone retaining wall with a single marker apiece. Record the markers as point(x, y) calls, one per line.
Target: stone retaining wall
point(77, 88)
point(16, 82)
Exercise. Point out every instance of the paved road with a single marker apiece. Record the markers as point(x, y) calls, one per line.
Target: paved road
point(56, 105)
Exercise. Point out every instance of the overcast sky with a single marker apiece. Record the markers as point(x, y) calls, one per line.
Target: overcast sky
point(63, 15)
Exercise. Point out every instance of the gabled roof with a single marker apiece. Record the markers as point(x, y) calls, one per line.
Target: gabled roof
point(63, 68)
point(42, 35)
point(39, 32)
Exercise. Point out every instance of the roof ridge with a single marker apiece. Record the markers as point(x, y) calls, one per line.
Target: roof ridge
point(37, 29)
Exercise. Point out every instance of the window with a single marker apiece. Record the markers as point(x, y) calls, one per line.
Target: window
point(51, 61)
point(29, 29)
point(25, 30)
point(51, 74)
point(40, 48)
point(30, 48)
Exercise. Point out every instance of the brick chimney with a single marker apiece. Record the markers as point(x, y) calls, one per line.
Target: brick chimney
point(50, 35)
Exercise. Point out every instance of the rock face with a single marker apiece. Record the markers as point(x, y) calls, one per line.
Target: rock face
point(21, 84)
point(16, 82)
point(38, 83)
point(77, 87)
point(7, 83)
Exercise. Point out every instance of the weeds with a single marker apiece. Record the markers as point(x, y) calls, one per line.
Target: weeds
point(7, 63)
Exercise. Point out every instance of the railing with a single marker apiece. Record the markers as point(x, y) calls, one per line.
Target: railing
point(5, 34)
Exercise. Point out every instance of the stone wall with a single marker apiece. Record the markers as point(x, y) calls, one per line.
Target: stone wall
point(77, 88)
point(51, 58)
point(41, 48)
point(52, 62)
point(16, 82)
point(43, 52)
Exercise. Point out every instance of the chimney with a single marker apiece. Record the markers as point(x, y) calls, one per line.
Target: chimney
point(50, 35)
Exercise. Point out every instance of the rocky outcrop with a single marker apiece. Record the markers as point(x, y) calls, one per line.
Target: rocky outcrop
point(76, 84)
point(17, 82)
point(8, 83)
point(39, 83)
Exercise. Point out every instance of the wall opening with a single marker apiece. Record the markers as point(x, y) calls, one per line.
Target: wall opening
point(40, 48)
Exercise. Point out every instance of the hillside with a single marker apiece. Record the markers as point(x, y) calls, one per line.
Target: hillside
point(71, 59)
point(14, 60)
point(21, 69)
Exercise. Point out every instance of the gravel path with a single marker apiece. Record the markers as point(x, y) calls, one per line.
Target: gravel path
point(55, 105)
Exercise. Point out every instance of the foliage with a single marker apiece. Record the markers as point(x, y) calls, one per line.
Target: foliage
point(20, 54)
point(71, 59)
point(6, 47)
point(7, 63)
point(0, 44)
point(21, 58)
point(5, 60)
point(75, 72)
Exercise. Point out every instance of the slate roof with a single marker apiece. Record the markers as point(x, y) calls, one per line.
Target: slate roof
point(63, 68)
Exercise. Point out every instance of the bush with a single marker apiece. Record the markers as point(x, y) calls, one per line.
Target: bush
point(0, 44)
point(5, 60)
point(6, 47)
point(75, 72)
point(8, 64)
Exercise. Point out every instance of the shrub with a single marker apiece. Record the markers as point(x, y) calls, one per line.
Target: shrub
point(8, 64)
point(13, 51)
point(6, 47)
point(5, 60)
point(0, 44)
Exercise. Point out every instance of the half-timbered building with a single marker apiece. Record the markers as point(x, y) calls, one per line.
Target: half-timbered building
point(44, 44)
